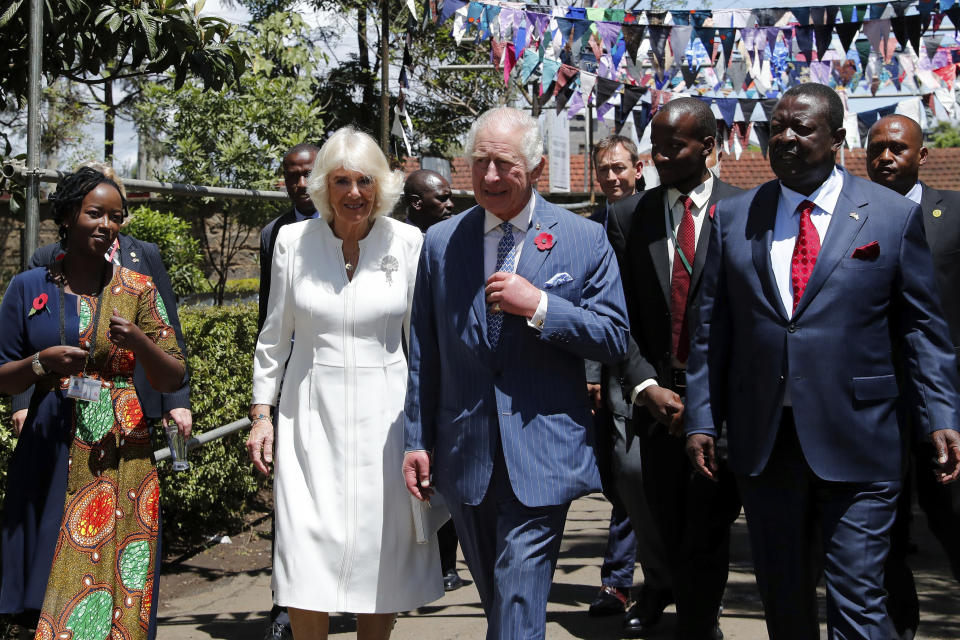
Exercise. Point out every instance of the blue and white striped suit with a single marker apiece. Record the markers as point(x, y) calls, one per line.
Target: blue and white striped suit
point(520, 408)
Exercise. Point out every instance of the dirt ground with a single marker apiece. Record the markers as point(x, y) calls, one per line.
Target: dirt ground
point(224, 591)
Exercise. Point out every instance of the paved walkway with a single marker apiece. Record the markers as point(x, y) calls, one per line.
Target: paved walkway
point(200, 600)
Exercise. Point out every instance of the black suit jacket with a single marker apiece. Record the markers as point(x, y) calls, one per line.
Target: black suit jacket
point(268, 239)
point(941, 221)
point(638, 233)
point(142, 257)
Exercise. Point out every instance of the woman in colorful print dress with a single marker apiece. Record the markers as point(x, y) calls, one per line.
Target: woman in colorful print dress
point(79, 530)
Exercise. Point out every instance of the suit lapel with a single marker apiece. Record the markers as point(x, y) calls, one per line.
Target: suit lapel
point(531, 258)
point(468, 252)
point(841, 232)
point(649, 221)
point(760, 223)
point(129, 257)
point(930, 201)
point(703, 241)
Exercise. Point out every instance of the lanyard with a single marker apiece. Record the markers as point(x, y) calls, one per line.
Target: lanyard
point(673, 234)
point(96, 321)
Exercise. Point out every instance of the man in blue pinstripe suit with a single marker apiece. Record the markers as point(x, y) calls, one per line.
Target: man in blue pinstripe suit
point(511, 296)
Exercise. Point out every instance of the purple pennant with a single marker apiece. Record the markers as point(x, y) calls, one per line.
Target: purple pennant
point(538, 22)
point(771, 33)
point(575, 105)
point(450, 7)
point(820, 72)
point(609, 34)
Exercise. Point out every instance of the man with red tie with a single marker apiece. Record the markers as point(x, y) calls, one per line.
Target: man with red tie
point(810, 281)
point(660, 240)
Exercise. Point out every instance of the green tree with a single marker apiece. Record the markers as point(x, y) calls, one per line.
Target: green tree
point(236, 137)
point(98, 43)
point(945, 134)
point(179, 250)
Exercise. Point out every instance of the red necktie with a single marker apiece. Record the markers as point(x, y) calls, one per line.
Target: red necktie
point(805, 252)
point(680, 280)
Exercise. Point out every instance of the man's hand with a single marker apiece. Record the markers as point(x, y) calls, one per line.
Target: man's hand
point(260, 445)
point(416, 474)
point(702, 452)
point(664, 405)
point(18, 418)
point(947, 444)
point(183, 418)
point(595, 394)
point(510, 293)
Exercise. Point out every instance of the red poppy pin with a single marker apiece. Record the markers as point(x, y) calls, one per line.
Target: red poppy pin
point(544, 241)
point(39, 304)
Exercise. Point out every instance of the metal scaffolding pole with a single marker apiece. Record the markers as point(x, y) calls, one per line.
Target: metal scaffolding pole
point(32, 218)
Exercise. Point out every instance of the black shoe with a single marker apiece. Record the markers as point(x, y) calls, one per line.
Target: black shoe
point(717, 633)
point(278, 631)
point(609, 601)
point(646, 612)
point(452, 580)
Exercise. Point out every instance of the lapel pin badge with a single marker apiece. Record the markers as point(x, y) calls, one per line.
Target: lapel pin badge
point(854, 215)
point(937, 213)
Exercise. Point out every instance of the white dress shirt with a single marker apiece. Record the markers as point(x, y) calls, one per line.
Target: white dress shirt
point(492, 234)
point(672, 217)
point(785, 231)
point(915, 193)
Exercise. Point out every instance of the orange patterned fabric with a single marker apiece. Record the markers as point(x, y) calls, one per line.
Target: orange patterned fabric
point(102, 578)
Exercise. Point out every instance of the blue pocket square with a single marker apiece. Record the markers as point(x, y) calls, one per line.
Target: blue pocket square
point(561, 278)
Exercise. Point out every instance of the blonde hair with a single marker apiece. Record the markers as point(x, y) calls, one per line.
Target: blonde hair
point(354, 150)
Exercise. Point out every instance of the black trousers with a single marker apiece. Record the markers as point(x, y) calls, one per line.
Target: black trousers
point(693, 515)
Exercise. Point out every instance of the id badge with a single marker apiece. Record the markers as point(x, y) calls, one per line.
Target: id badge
point(83, 388)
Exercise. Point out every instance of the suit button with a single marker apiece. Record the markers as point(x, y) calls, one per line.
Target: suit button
point(781, 378)
point(792, 328)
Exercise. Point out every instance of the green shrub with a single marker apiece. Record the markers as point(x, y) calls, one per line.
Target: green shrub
point(213, 496)
point(243, 285)
point(179, 250)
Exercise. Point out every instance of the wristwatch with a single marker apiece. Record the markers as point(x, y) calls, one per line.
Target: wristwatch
point(37, 366)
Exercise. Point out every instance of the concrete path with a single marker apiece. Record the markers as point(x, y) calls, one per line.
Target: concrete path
point(200, 600)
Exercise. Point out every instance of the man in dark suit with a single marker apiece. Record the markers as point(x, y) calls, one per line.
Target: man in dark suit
point(810, 282)
point(297, 165)
point(142, 257)
point(511, 296)
point(630, 537)
point(895, 153)
point(660, 237)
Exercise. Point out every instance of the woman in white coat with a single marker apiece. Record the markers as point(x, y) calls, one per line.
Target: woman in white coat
point(343, 283)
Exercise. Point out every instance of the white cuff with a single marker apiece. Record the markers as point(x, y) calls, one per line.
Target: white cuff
point(649, 382)
point(536, 322)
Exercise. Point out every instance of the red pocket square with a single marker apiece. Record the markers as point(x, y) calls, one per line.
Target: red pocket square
point(867, 252)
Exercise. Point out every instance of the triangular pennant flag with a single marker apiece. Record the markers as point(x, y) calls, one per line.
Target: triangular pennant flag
point(609, 34)
point(538, 22)
point(762, 130)
point(875, 10)
point(658, 41)
point(737, 72)
point(769, 17)
point(847, 31)
point(617, 54)
point(641, 118)
point(509, 61)
point(631, 96)
point(948, 74)
point(954, 14)
point(565, 75)
point(633, 36)
point(727, 38)
point(802, 15)
point(595, 46)
point(894, 70)
point(907, 29)
point(824, 33)
point(847, 12)
point(402, 78)
point(689, 74)
point(605, 90)
point(548, 73)
point(656, 17)
point(576, 105)
point(565, 28)
point(832, 11)
point(861, 12)
point(747, 105)
point(706, 36)
point(728, 109)
point(877, 32)
point(805, 39)
point(496, 52)
point(520, 40)
point(528, 65)
point(818, 15)
point(581, 31)
point(449, 8)
point(771, 34)
point(564, 95)
point(768, 106)
point(820, 71)
point(679, 39)
point(587, 81)
point(931, 44)
point(863, 50)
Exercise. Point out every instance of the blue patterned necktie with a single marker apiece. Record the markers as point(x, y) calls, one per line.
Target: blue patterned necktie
point(506, 257)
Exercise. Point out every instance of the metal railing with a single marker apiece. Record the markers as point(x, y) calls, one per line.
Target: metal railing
point(205, 437)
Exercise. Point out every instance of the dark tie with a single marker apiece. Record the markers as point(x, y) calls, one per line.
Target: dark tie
point(805, 252)
point(505, 262)
point(683, 257)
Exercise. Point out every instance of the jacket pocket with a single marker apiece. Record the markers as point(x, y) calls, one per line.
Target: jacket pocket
point(875, 387)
